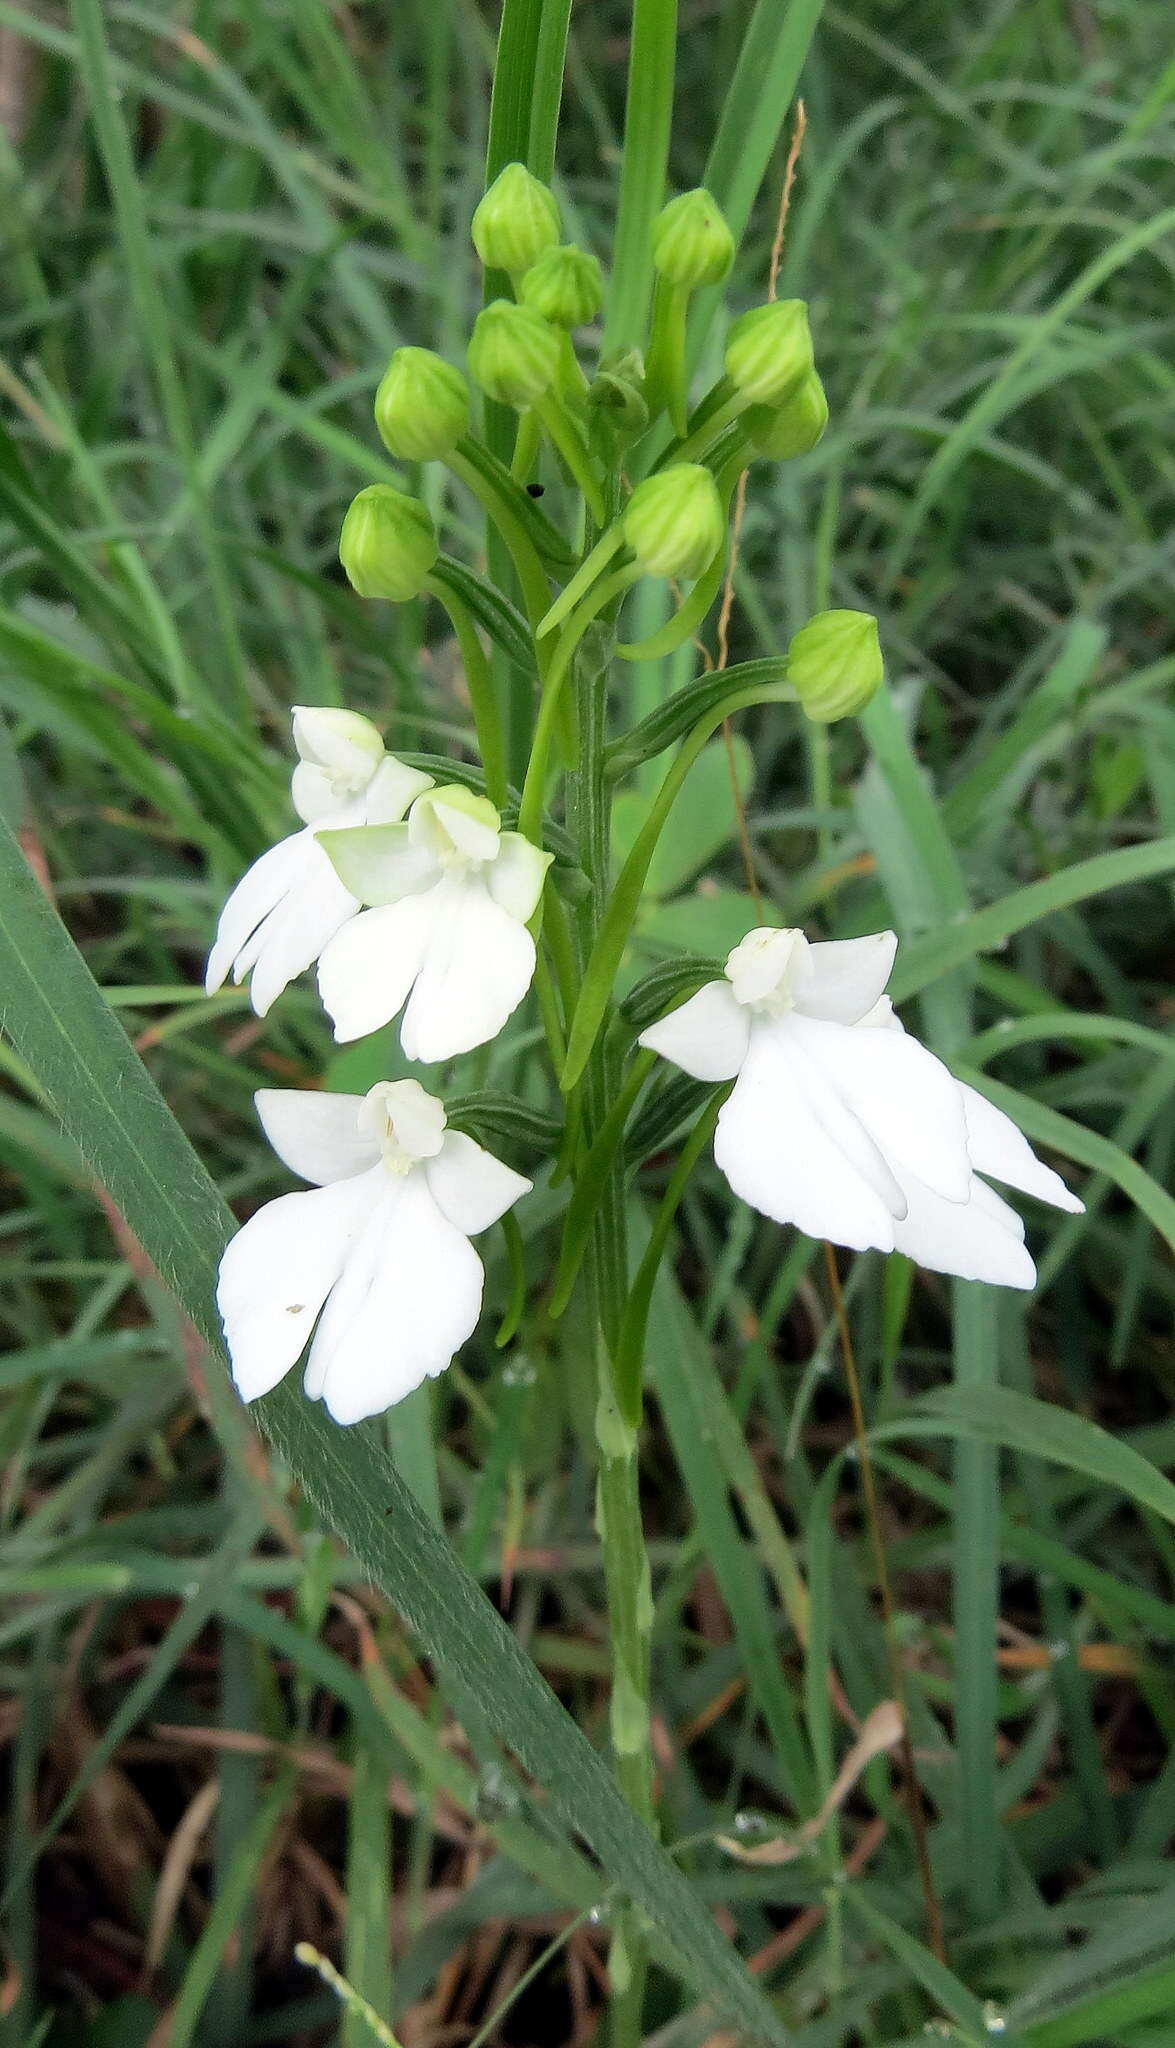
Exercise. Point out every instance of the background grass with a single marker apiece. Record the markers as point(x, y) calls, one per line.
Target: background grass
point(217, 223)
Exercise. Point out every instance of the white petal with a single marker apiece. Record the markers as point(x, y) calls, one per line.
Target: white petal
point(707, 1036)
point(344, 743)
point(882, 1017)
point(348, 1296)
point(276, 1274)
point(365, 974)
point(379, 863)
point(998, 1147)
point(470, 1186)
point(259, 889)
point(392, 788)
point(317, 1136)
point(515, 879)
point(907, 1100)
point(980, 1239)
point(475, 837)
point(477, 968)
point(779, 1157)
point(422, 1304)
point(842, 979)
point(297, 929)
point(838, 1121)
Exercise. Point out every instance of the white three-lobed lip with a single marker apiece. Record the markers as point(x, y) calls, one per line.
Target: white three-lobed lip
point(842, 1124)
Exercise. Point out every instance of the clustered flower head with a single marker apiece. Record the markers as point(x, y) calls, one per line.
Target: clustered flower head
point(420, 892)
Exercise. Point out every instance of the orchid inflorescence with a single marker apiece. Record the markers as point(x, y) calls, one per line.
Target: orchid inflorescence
point(440, 893)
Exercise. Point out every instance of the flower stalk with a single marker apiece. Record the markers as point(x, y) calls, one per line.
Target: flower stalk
point(420, 900)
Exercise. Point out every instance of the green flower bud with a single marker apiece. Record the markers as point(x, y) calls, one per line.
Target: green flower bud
point(513, 354)
point(795, 427)
point(835, 664)
point(692, 244)
point(517, 219)
point(769, 350)
point(674, 522)
point(565, 286)
point(388, 544)
point(421, 406)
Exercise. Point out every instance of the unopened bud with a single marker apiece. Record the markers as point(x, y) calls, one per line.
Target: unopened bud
point(388, 544)
point(674, 523)
point(834, 664)
point(565, 286)
point(516, 220)
point(769, 351)
point(692, 244)
point(794, 427)
point(513, 354)
point(421, 406)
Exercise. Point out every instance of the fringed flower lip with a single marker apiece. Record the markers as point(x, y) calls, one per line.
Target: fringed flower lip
point(374, 1259)
point(291, 902)
point(446, 940)
point(841, 1123)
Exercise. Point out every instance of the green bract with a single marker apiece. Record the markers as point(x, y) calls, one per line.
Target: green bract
point(421, 406)
point(517, 219)
point(769, 350)
point(692, 244)
point(513, 354)
point(834, 664)
point(388, 544)
point(565, 286)
point(675, 523)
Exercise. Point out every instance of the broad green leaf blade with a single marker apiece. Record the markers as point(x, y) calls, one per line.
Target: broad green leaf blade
point(996, 1415)
point(108, 1103)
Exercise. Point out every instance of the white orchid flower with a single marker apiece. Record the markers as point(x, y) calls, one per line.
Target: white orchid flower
point(375, 1258)
point(447, 936)
point(291, 902)
point(842, 1124)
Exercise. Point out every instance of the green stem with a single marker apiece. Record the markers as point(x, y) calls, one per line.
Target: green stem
point(626, 1565)
point(615, 925)
point(530, 810)
point(526, 448)
point(482, 696)
point(628, 1357)
point(536, 591)
point(706, 432)
point(569, 443)
point(665, 382)
point(592, 566)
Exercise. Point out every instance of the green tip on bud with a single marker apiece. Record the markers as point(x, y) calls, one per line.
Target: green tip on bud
point(517, 219)
point(565, 286)
point(674, 522)
point(388, 544)
point(692, 244)
point(795, 427)
point(769, 351)
point(421, 406)
point(834, 664)
point(513, 354)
